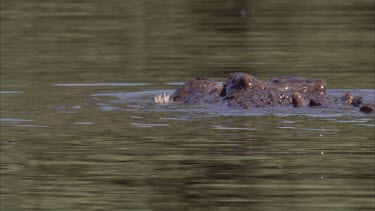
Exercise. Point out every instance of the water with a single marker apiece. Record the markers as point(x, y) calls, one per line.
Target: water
point(80, 131)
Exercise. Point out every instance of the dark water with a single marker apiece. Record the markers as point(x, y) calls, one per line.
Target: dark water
point(80, 131)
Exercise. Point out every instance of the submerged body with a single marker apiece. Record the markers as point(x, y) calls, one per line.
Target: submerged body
point(245, 91)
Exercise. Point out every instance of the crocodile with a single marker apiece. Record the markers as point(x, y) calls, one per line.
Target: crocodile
point(245, 91)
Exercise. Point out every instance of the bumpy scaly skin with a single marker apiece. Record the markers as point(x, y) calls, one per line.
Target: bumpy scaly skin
point(198, 90)
point(246, 91)
point(297, 100)
point(367, 108)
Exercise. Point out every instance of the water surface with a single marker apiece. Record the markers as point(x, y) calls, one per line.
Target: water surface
point(80, 130)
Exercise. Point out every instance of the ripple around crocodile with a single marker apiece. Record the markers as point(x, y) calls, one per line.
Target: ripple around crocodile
point(245, 91)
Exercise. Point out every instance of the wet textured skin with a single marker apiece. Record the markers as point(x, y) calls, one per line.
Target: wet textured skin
point(199, 90)
point(245, 91)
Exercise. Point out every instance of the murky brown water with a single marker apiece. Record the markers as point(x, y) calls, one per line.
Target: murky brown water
point(79, 130)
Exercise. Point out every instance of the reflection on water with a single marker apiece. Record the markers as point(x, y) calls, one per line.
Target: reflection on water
point(80, 131)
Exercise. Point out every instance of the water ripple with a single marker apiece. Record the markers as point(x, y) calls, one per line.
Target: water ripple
point(31, 126)
point(10, 92)
point(100, 84)
point(14, 120)
point(219, 127)
point(150, 125)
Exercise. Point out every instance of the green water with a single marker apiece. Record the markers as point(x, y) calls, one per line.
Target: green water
point(70, 143)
